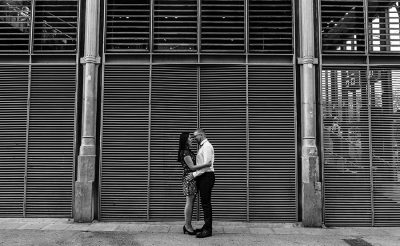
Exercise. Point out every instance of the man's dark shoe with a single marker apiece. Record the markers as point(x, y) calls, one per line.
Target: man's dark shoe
point(197, 230)
point(204, 233)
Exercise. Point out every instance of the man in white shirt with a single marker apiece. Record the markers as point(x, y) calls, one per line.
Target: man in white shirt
point(205, 180)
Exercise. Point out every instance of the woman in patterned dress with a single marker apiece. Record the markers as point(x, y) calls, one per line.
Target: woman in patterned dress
point(188, 161)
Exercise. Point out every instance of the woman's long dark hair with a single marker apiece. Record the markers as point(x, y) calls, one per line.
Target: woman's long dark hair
point(183, 144)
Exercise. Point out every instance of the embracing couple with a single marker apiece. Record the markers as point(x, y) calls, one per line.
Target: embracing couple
point(198, 175)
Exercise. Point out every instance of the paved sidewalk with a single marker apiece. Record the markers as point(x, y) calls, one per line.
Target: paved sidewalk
point(66, 232)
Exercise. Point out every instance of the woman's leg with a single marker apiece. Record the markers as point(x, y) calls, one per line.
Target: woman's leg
point(188, 212)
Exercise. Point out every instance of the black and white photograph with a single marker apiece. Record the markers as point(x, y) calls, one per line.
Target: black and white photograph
point(199, 122)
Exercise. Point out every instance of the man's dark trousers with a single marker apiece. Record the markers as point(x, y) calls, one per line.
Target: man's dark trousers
point(205, 183)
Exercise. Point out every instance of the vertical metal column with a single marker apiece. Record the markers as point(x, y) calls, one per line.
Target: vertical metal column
point(84, 186)
point(311, 185)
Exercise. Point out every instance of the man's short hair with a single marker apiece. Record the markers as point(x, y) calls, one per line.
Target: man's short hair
point(201, 131)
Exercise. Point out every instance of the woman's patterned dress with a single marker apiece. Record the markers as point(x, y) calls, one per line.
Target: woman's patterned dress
point(189, 187)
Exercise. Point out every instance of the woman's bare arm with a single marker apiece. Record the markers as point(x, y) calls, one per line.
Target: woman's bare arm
point(193, 167)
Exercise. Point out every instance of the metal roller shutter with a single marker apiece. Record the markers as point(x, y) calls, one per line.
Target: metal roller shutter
point(272, 145)
point(13, 114)
point(347, 177)
point(223, 117)
point(385, 131)
point(124, 143)
point(51, 141)
point(255, 145)
point(173, 110)
point(361, 139)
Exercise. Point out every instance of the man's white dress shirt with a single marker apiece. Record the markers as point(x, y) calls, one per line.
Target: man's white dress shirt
point(205, 155)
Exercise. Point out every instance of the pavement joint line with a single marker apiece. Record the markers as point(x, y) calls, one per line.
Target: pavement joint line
point(175, 227)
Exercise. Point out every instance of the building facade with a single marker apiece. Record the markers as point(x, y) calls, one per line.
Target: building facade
point(299, 98)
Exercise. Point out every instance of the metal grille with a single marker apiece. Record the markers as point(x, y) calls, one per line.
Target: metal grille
point(342, 26)
point(213, 97)
point(13, 113)
point(51, 142)
point(173, 110)
point(178, 25)
point(15, 22)
point(128, 25)
point(272, 156)
point(222, 26)
point(223, 116)
point(346, 139)
point(55, 25)
point(175, 25)
point(270, 26)
point(385, 136)
point(361, 139)
point(124, 153)
point(383, 21)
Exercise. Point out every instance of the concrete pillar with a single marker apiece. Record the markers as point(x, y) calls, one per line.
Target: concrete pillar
point(311, 185)
point(85, 188)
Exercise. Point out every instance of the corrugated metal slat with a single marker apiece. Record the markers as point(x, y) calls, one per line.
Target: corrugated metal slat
point(124, 155)
point(51, 142)
point(342, 25)
point(55, 26)
point(13, 115)
point(270, 26)
point(222, 26)
point(128, 25)
point(361, 139)
point(383, 19)
point(223, 116)
point(173, 110)
point(347, 179)
point(15, 21)
point(272, 134)
point(175, 25)
point(385, 130)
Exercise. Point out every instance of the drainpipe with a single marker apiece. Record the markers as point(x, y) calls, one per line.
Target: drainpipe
point(311, 185)
point(84, 186)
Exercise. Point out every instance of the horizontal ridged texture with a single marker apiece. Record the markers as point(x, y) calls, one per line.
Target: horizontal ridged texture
point(385, 130)
point(173, 110)
point(13, 115)
point(222, 26)
point(344, 31)
point(15, 21)
point(270, 26)
point(56, 25)
point(128, 25)
point(124, 155)
point(175, 25)
point(272, 134)
point(222, 112)
point(361, 139)
point(346, 157)
point(223, 117)
point(342, 25)
point(383, 18)
point(51, 142)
